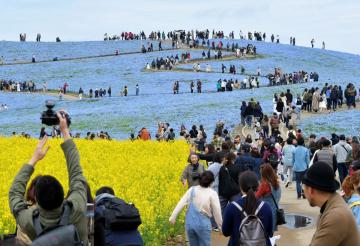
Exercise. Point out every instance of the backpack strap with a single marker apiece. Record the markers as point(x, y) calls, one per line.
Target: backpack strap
point(36, 221)
point(192, 194)
point(240, 208)
point(259, 208)
point(65, 217)
point(354, 204)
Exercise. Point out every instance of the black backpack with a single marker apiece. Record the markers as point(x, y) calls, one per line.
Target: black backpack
point(61, 234)
point(230, 188)
point(119, 215)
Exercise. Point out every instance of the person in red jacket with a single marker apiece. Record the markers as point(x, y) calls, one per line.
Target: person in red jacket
point(144, 134)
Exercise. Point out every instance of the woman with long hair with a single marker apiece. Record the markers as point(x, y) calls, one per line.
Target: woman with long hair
point(269, 190)
point(248, 204)
point(203, 202)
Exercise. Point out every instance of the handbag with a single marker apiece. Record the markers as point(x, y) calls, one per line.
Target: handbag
point(349, 158)
point(280, 214)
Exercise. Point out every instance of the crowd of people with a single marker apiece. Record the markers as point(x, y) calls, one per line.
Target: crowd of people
point(313, 100)
point(280, 78)
point(56, 133)
point(228, 176)
point(329, 97)
point(16, 86)
point(231, 177)
point(188, 36)
point(169, 62)
point(150, 47)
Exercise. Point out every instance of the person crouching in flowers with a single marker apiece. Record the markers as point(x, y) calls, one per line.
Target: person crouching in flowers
point(192, 172)
point(203, 203)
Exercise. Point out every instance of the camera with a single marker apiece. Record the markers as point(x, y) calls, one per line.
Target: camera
point(49, 116)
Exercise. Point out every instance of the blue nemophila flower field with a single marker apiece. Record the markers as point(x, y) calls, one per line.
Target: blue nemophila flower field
point(156, 103)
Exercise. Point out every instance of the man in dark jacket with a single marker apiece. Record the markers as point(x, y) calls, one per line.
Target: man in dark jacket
point(289, 96)
point(280, 107)
point(49, 193)
point(103, 236)
point(245, 161)
point(249, 113)
point(258, 114)
point(334, 96)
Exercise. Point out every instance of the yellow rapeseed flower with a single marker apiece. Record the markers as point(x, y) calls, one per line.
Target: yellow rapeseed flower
point(145, 173)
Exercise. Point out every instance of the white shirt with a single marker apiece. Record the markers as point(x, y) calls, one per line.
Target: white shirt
point(205, 200)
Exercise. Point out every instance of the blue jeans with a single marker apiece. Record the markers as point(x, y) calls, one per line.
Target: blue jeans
point(343, 171)
point(298, 179)
point(199, 237)
point(197, 225)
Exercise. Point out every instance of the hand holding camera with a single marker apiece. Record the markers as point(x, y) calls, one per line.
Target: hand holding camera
point(52, 118)
point(63, 123)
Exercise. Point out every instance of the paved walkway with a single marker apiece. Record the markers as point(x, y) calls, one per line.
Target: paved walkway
point(295, 237)
point(24, 62)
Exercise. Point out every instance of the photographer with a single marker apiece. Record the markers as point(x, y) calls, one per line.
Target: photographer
point(51, 207)
point(192, 172)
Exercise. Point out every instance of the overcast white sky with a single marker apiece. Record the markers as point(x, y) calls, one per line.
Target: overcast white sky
point(333, 21)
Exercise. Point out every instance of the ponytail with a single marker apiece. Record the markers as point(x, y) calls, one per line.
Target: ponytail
point(250, 203)
point(249, 184)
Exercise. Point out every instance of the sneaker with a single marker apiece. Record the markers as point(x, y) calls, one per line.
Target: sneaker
point(216, 229)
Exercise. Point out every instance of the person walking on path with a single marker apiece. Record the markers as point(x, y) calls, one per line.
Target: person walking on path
point(301, 164)
point(137, 90)
point(66, 85)
point(203, 202)
point(248, 204)
point(326, 154)
point(336, 224)
point(228, 181)
point(198, 85)
point(342, 150)
point(192, 172)
point(269, 190)
point(288, 160)
point(192, 85)
point(316, 100)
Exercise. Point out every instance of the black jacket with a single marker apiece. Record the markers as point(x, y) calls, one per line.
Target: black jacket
point(225, 188)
